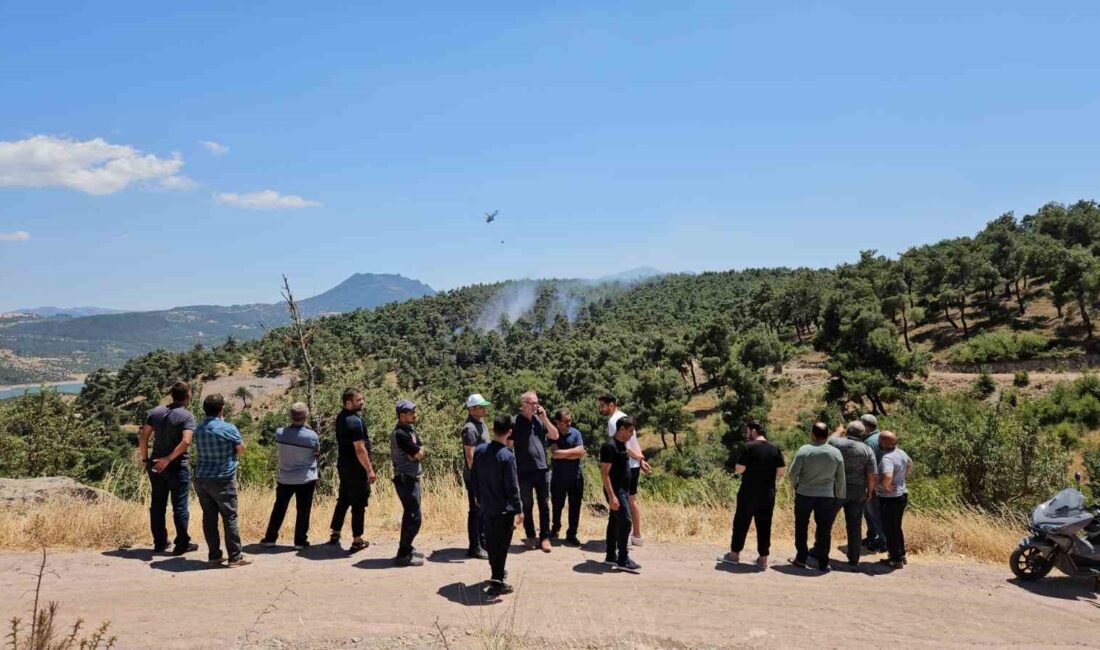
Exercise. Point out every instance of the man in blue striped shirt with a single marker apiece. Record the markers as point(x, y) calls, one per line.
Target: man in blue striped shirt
point(217, 445)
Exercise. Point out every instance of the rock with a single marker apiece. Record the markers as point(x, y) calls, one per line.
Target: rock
point(24, 491)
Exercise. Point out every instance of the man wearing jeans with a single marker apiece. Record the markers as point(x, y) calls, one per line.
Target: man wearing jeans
point(171, 428)
point(894, 468)
point(297, 446)
point(217, 445)
point(406, 452)
point(530, 433)
point(876, 540)
point(859, 469)
point(817, 476)
point(608, 406)
point(615, 473)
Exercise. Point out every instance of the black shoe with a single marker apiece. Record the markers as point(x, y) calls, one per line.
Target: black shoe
point(611, 560)
point(333, 539)
point(572, 541)
point(301, 547)
point(554, 534)
point(161, 549)
point(795, 562)
point(496, 589)
point(629, 565)
point(181, 550)
point(477, 554)
point(267, 542)
point(824, 568)
point(408, 560)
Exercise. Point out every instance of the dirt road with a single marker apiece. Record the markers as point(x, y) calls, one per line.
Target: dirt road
point(682, 598)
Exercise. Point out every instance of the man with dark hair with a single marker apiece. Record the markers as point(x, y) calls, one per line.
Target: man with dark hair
point(566, 479)
point(474, 432)
point(406, 452)
point(530, 432)
point(356, 471)
point(859, 469)
point(817, 476)
point(608, 406)
point(496, 484)
point(297, 446)
point(759, 465)
point(172, 428)
point(218, 445)
point(615, 473)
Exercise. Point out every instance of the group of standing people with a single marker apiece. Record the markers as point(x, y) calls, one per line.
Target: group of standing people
point(858, 470)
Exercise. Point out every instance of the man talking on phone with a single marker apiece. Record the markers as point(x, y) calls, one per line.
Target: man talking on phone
point(530, 433)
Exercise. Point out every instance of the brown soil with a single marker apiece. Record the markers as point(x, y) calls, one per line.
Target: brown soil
point(682, 598)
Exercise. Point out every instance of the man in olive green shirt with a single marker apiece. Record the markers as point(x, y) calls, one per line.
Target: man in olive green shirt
point(817, 475)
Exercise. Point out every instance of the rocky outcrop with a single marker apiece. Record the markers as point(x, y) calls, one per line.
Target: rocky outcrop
point(25, 491)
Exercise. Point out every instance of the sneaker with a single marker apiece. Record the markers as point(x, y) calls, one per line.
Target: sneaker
point(636, 540)
point(408, 560)
point(795, 562)
point(333, 539)
point(239, 562)
point(496, 589)
point(416, 553)
point(477, 554)
point(572, 541)
point(629, 565)
point(554, 534)
point(267, 542)
point(545, 545)
point(183, 550)
point(301, 547)
point(161, 549)
point(730, 558)
point(216, 561)
point(530, 543)
point(824, 568)
point(897, 565)
point(610, 560)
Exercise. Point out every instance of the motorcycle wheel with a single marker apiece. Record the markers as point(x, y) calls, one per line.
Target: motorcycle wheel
point(1028, 564)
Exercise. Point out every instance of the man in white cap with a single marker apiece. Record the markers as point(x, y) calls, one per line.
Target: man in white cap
point(474, 432)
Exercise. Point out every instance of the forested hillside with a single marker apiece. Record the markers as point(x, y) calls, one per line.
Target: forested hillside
point(1020, 289)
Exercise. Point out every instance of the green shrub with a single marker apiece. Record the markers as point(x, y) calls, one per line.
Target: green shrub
point(1092, 468)
point(999, 346)
point(983, 386)
point(1020, 379)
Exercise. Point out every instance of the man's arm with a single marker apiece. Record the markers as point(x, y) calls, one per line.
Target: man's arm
point(780, 471)
point(511, 487)
point(576, 453)
point(796, 469)
point(180, 450)
point(871, 481)
point(551, 430)
point(143, 442)
point(739, 469)
point(364, 459)
point(605, 474)
point(840, 480)
point(468, 450)
point(405, 443)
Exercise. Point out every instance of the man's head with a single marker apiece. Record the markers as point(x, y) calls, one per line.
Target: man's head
point(529, 404)
point(214, 405)
point(477, 406)
point(502, 429)
point(353, 399)
point(888, 440)
point(624, 428)
point(856, 430)
point(563, 419)
point(299, 412)
point(754, 429)
point(406, 412)
point(870, 423)
point(819, 432)
point(607, 404)
point(181, 392)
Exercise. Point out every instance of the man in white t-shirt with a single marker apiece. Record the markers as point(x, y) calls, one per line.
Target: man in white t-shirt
point(609, 408)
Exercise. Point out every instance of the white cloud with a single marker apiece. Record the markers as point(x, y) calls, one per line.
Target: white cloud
point(216, 148)
point(266, 199)
point(18, 235)
point(91, 166)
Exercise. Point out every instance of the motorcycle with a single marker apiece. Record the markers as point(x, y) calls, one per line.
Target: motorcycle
point(1064, 534)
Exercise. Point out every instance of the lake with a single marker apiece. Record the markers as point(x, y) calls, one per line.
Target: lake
point(71, 388)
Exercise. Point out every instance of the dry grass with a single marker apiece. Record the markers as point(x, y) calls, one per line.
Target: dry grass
point(118, 523)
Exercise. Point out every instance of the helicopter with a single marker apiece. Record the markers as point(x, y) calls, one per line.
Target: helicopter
point(490, 217)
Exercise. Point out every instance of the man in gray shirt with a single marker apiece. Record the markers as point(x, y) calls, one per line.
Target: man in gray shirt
point(859, 470)
point(893, 469)
point(298, 447)
point(172, 428)
point(817, 476)
point(876, 541)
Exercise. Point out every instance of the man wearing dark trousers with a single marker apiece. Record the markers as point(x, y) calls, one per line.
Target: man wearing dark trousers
point(759, 465)
point(474, 432)
point(894, 468)
point(496, 485)
point(615, 473)
point(406, 452)
point(530, 433)
point(566, 477)
point(355, 468)
point(817, 476)
point(859, 469)
point(297, 447)
point(218, 444)
point(172, 428)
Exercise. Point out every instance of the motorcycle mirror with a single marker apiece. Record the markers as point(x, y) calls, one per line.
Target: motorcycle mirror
point(1077, 478)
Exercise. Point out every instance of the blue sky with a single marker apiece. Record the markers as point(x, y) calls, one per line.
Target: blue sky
point(685, 136)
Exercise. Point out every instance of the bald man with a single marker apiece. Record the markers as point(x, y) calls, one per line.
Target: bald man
point(893, 469)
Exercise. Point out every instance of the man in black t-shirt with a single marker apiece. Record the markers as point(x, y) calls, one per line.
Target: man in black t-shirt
point(760, 464)
point(171, 428)
point(474, 432)
point(353, 465)
point(615, 472)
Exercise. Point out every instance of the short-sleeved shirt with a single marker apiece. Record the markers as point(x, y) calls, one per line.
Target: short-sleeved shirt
point(405, 442)
point(169, 423)
point(762, 461)
point(872, 442)
point(614, 452)
point(350, 429)
point(632, 443)
point(474, 432)
point(858, 460)
point(894, 462)
point(298, 446)
point(215, 444)
point(567, 470)
point(529, 437)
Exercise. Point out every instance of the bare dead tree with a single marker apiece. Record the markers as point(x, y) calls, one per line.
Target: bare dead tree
point(301, 333)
